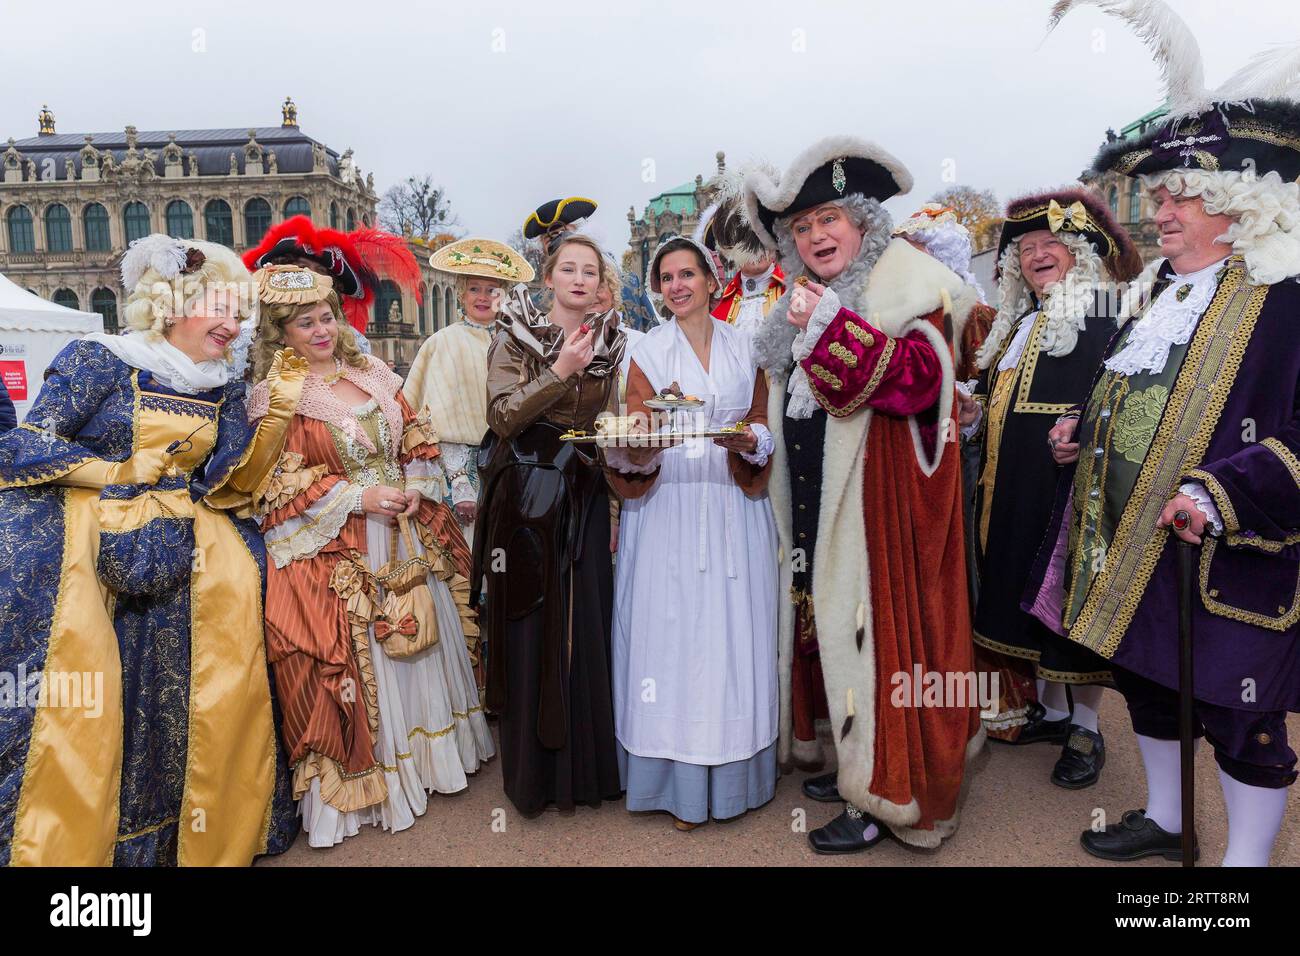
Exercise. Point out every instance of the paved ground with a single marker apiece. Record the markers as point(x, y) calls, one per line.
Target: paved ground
point(1012, 816)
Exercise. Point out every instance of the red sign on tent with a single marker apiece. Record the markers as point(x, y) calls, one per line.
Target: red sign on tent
point(14, 376)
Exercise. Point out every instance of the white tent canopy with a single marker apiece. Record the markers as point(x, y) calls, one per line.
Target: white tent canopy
point(33, 331)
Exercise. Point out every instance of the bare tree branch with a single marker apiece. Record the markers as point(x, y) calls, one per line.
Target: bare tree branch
point(416, 207)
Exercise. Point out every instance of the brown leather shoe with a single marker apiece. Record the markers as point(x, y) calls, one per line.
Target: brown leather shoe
point(684, 825)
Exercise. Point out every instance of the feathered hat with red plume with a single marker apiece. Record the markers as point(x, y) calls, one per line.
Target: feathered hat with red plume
point(356, 261)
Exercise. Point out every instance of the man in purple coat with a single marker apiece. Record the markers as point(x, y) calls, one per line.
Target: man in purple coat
point(1196, 408)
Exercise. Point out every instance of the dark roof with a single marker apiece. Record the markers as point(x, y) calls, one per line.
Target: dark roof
point(212, 146)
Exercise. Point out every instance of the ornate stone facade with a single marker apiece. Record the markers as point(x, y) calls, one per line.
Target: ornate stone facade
point(1129, 203)
point(675, 211)
point(69, 203)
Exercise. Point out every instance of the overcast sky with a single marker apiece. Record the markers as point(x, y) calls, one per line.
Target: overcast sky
point(508, 104)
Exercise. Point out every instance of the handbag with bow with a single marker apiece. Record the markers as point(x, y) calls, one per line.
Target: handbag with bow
point(409, 622)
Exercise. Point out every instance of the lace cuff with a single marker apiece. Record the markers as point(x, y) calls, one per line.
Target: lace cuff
point(766, 445)
point(425, 475)
point(1196, 491)
point(617, 458)
point(827, 308)
point(304, 536)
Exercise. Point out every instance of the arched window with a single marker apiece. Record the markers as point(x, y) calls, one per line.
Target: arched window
point(449, 299)
point(180, 220)
point(257, 219)
point(135, 221)
point(1113, 199)
point(297, 206)
point(58, 229)
point(423, 317)
point(334, 215)
point(66, 298)
point(435, 307)
point(217, 223)
point(1134, 201)
point(95, 222)
point(385, 296)
point(19, 220)
point(352, 219)
point(104, 301)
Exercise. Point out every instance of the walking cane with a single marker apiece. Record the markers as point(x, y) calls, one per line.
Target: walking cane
point(1186, 739)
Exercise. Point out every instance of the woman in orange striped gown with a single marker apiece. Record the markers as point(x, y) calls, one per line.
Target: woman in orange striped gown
point(368, 735)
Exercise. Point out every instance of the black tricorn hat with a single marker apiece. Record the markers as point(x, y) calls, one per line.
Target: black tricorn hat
point(830, 169)
point(557, 213)
point(1227, 137)
point(1073, 210)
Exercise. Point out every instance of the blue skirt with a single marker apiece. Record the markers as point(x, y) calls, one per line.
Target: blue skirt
point(694, 792)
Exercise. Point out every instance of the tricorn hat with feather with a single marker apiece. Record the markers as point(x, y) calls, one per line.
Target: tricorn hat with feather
point(1252, 119)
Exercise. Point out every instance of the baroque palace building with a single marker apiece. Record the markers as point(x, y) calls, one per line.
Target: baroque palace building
point(673, 212)
point(70, 203)
point(1129, 204)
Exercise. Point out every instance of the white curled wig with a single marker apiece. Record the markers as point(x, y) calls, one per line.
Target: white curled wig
point(1265, 210)
point(166, 278)
point(951, 245)
point(775, 337)
point(1067, 302)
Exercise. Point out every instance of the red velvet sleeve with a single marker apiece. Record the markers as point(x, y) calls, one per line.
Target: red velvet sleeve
point(855, 364)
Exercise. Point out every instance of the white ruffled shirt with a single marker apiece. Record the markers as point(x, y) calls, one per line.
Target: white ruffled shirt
point(1169, 321)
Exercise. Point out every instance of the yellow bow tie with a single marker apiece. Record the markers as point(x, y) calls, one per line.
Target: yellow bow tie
point(1075, 214)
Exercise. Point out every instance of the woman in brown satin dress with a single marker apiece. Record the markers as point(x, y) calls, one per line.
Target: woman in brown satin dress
point(543, 540)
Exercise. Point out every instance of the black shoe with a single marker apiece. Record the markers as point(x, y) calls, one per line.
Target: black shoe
point(844, 834)
point(1037, 730)
point(1081, 760)
point(823, 788)
point(1135, 837)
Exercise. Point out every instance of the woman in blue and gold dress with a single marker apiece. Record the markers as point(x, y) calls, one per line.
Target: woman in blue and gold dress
point(139, 729)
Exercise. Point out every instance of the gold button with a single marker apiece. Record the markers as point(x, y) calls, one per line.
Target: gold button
point(1214, 592)
point(802, 535)
point(803, 507)
point(1281, 609)
point(802, 478)
point(1264, 739)
point(798, 447)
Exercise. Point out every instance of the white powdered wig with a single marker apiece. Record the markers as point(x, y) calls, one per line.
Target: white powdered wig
point(951, 245)
point(1066, 302)
point(1265, 211)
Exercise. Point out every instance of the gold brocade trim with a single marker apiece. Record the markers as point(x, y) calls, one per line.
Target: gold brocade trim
point(996, 420)
point(859, 333)
point(1288, 459)
point(1208, 161)
point(827, 376)
point(1261, 544)
point(1229, 514)
point(1011, 651)
point(1057, 677)
point(1286, 618)
point(1029, 365)
point(43, 476)
point(882, 364)
point(1263, 134)
point(147, 830)
point(843, 354)
point(1200, 391)
point(1125, 164)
